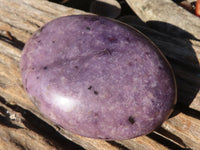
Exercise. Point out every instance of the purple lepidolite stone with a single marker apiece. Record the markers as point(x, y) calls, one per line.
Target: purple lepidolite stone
point(98, 78)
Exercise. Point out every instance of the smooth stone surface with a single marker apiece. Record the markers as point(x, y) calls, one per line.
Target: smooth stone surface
point(98, 78)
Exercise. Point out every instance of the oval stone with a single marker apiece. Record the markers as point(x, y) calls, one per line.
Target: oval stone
point(98, 78)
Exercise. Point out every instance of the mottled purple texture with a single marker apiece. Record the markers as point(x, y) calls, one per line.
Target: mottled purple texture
point(98, 78)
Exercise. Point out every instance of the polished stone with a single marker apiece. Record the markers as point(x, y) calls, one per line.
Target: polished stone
point(98, 78)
